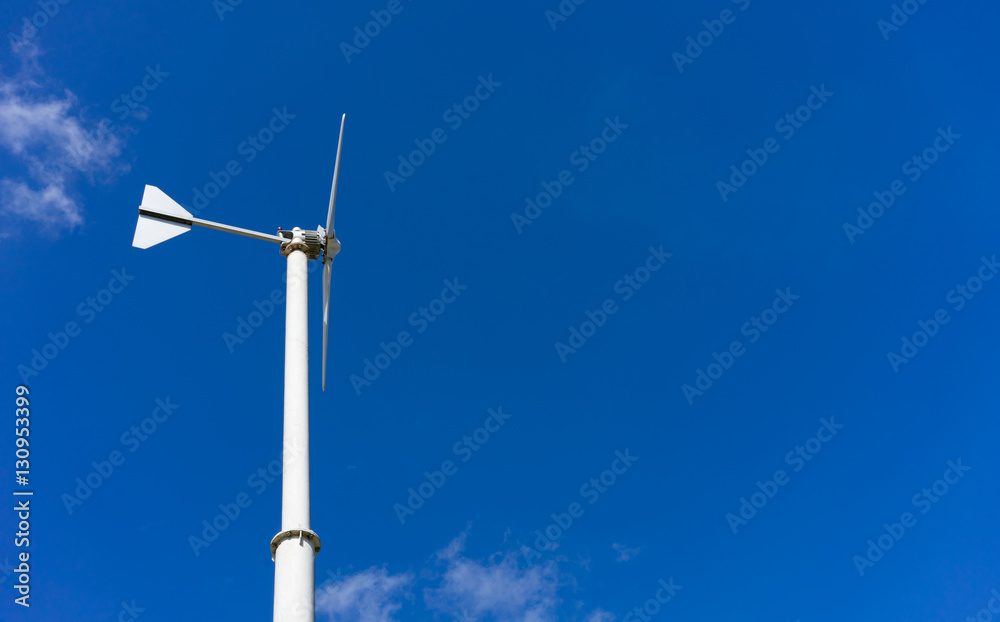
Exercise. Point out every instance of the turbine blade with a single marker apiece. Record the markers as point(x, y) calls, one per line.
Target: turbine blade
point(327, 271)
point(336, 176)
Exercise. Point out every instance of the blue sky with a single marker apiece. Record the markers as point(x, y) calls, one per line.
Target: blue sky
point(645, 262)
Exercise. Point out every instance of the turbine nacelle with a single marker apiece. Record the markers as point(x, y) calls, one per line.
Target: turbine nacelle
point(313, 243)
point(161, 218)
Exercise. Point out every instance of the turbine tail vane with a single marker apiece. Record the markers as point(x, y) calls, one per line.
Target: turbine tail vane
point(162, 218)
point(150, 230)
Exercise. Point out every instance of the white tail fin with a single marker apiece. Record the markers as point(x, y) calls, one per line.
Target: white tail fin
point(155, 200)
point(150, 230)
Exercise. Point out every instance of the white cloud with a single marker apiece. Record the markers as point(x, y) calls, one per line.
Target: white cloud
point(498, 588)
point(600, 615)
point(371, 595)
point(55, 144)
point(21, 200)
point(501, 588)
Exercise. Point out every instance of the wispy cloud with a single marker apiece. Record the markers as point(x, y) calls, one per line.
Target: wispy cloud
point(41, 128)
point(624, 553)
point(455, 587)
point(372, 595)
point(496, 588)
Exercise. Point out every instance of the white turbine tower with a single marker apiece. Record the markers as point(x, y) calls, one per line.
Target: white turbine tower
point(296, 545)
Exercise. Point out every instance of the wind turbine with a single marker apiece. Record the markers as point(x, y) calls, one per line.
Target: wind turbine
point(296, 545)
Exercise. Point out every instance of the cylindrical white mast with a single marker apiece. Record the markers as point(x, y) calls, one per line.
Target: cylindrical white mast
point(295, 547)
